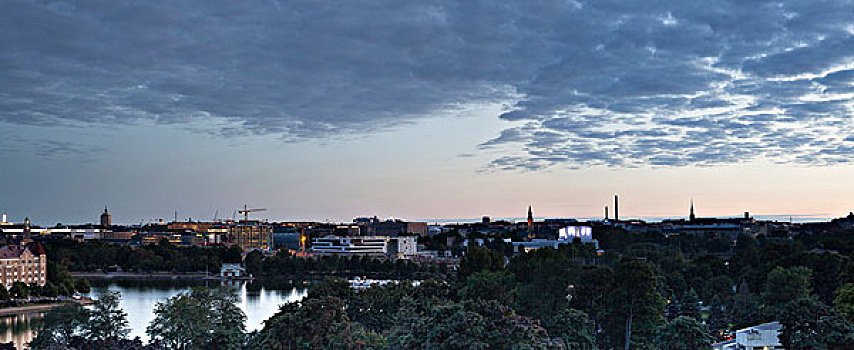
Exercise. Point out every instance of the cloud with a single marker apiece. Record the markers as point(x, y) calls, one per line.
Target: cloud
point(599, 83)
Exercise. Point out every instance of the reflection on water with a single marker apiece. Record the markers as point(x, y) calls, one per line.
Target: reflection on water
point(17, 328)
point(140, 297)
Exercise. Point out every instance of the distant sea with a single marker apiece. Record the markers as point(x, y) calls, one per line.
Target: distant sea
point(800, 218)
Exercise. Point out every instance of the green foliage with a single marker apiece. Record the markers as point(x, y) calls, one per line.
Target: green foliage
point(635, 306)
point(573, 329)
point(718, 320)
point(690, 304)
point(308, 324)
point(202, 318)
point(684, 333)
point(809, 324)
point(19, 290)
point(253, 262)
point(4, 293)
point(64, 255)
point(283, 265)
point(479, 259)
point(331, 287)
point(106, 319)
point(745, 309)
point(451, 325)
point(50, 290)
point(82, 286)
point(784, 285)
point(844, 301)
point(488, 285)
point(59, 326)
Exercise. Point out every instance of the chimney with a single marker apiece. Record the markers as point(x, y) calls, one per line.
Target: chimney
point(606, 213)
point(616, 208)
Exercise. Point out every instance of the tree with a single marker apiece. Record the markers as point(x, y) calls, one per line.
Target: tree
point(718, 320)
point(50, 290)
point(19, 290)
point(479, 259)
point(82, 285)
point(573, 328)
point(310, 323)
point(468, 325)
point(784, 285)
point(202, 318)
point(844, 301)
point(684, 333)
point(635, 307)
point(809, 324)
point(745, 308)
point(488, 285)
point(4, 294)
point(59, 326)
point(106, 319)
point(690, 304)
point(253, 262)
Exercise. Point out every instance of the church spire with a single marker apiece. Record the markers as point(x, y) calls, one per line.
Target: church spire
point(530, 218)
point(691, 217)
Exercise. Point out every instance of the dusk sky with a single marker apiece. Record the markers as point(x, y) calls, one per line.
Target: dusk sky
point(322, 110)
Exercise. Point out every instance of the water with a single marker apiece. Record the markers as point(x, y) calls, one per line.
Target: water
point(138, 300)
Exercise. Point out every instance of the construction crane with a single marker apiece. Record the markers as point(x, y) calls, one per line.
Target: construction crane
point(245, 211)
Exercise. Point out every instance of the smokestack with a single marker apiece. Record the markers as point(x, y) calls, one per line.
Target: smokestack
point(4, 217)
point(616, 208)
point(606, 213)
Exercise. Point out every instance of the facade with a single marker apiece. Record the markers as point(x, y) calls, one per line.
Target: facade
point(401, 247)
point(232, 271)
point(375, 227)
point(760, 337)
point(251, 235)
point(23, 264)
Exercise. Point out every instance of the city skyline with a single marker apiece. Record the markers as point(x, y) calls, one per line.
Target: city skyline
point(425, 109)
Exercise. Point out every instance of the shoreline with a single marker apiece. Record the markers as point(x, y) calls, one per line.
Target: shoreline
point(42, 307)
point(144, 276)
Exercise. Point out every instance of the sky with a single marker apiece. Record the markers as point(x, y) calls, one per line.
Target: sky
point(424, 109)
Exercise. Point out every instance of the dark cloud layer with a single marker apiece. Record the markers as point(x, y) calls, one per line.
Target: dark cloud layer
point(610, 83)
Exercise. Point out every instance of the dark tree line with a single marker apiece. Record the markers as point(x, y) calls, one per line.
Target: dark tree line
point(92, 256)
point(284, 265)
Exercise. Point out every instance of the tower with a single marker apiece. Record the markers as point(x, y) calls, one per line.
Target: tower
point(691, 216)
point(606, 213)
point(530, 218)
point(616, 208)
point(27, 230)
point(106, 218)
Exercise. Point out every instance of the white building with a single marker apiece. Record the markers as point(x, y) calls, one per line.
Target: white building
point(761, 337)
point(565, 236)
point(232, 271)
point(401, 247)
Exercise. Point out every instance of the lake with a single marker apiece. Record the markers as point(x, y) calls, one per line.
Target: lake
point(139, 298)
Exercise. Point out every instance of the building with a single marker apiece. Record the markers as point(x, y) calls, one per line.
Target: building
point(379, 246)
point(565, 236)
point(23, 264)
point(106, 218)
point(251, 235)
point(232, 271)
point(392, 227)
point(761, 337)
point(583, 233)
